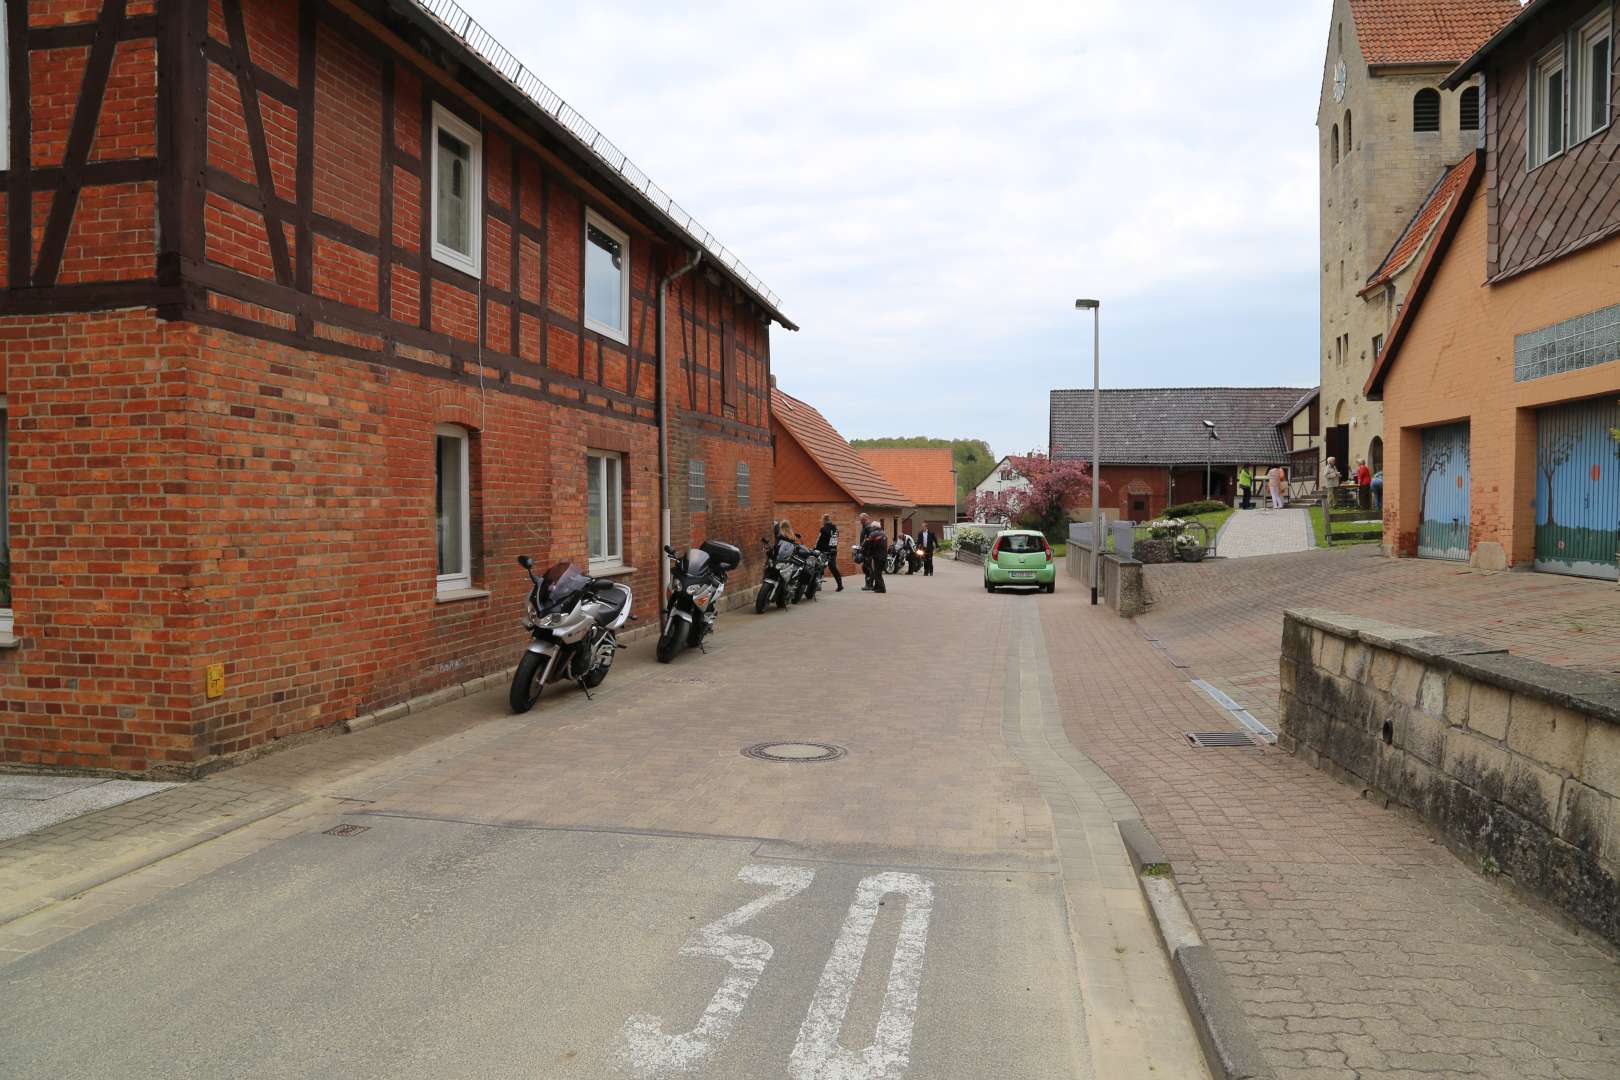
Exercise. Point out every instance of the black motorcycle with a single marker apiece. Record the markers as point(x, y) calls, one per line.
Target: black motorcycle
point(782, 570)
point(810, 579)
point(697, 580)
point(574, 620)
point(899, 554)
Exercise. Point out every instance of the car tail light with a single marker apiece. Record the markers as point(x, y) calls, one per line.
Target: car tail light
point(1048, 545)
point(995, 549)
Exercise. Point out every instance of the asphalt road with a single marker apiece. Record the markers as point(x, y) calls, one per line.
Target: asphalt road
point(439, 949)
point(608, 888)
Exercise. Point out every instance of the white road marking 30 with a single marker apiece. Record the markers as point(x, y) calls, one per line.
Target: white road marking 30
point(646, 1051)
point(817, 1054)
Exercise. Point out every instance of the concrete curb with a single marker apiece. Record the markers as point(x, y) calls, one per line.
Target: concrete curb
point(1230, 1048)
point(140, 862)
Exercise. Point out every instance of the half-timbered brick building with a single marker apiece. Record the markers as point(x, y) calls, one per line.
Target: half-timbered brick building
point(317, 313)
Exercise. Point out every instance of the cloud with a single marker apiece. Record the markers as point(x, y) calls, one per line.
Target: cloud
point(928, 186)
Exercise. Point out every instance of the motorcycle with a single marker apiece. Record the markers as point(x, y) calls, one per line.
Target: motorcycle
point(899, 554)
point(810, 579)
point(782, 570)
point(697, 580)
point(574, 620)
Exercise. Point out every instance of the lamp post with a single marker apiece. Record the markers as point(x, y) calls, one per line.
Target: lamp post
point(1095, 307)
point(1209, 453)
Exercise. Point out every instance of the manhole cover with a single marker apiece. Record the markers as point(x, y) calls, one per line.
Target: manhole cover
point(1220, 738)
point(346, 830)
point(794, 753)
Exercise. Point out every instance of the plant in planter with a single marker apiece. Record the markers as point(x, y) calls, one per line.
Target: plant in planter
point(1190, 548)
point(1166, 528)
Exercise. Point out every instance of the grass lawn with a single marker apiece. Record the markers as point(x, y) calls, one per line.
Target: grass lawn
point(1346, 533)
point(1213, 521)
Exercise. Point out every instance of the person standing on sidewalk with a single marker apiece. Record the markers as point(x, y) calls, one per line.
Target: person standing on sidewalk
point(1275, 479)
point(926, 543)
point(827, 544)
point(875, 546)
point(867, 525)
point(1364, 483)
point(1246, 484)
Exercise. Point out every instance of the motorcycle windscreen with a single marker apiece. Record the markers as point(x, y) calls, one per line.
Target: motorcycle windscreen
point(560, 584)
point(697, 562)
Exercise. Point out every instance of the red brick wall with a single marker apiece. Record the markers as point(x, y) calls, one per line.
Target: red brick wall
point(252, 484)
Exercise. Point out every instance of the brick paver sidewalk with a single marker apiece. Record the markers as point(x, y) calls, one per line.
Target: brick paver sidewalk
point(1248, 533)
point(1358, 946)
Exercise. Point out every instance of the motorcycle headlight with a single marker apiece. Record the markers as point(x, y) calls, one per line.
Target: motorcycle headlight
point(693, 590)
point(551, 620)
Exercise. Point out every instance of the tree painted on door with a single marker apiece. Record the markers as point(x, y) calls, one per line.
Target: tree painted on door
point(1443, 493)
point(1578, 489)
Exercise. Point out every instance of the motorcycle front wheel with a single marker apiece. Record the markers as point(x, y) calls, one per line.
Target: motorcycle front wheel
point(810, 588)
point(526, 685)
point(782, 595)
point(670, 640)
point(761, 598)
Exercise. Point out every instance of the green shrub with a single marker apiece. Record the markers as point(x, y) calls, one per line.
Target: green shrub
point(1193, 509)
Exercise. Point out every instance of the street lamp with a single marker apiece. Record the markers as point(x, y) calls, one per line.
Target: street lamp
point(1095, 307)
point(1209, 426)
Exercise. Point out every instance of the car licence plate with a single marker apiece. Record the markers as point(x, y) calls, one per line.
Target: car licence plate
point(1021, 575)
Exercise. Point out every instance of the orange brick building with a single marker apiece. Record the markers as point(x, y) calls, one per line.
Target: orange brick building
point(1500, 380)
point(315, 317)
point(818, 472)
point(924, 474)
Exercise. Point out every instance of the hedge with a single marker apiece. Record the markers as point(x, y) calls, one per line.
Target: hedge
point(1193, 509)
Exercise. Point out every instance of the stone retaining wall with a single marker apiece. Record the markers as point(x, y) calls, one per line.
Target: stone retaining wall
point(1515, 761)
point(1121, 587)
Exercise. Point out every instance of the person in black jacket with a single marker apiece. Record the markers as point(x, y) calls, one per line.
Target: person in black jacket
point(866, 527)
point(926, 543)
point(875, 546)
point(827, 544)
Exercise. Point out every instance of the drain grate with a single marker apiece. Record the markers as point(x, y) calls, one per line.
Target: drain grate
point(794, 753)
point(1220, 738)
point(346, 830)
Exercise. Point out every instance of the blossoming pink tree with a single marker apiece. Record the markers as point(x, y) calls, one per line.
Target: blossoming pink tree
point(1050, 490)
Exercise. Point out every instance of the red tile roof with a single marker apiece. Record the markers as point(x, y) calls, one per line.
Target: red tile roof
point(1472, 168)
point(925, 474)
point(1427, 31)
point(837, 458)
point(1428, 215)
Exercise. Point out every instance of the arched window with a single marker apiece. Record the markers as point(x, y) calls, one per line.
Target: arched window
point(1349, 138)
point(1426, 110)
point(1468, 109)
point(1334, 151)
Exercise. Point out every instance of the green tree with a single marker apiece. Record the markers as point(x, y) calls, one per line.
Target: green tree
point(973, 457)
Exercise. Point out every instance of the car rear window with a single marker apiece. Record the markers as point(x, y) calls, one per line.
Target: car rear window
point(1017, 544)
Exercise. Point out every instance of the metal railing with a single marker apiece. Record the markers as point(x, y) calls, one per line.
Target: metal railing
point(461, 25)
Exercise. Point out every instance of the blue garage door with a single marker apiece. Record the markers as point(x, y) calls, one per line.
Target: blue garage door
point(1443, 528)
point(1578, 489)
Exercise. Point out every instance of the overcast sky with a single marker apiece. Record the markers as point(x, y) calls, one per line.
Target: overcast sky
point(928, 187)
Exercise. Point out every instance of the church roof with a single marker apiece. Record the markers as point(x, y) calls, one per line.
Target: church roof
point(1427, 31)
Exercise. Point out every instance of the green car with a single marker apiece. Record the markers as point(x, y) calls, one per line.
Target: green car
point(1020, 557)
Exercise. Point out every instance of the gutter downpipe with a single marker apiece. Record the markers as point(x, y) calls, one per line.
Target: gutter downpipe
point(663, 425)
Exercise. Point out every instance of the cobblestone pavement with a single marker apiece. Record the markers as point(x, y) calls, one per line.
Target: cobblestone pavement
point(1248, 533)
point(1224, 619)
point(943, 697)
point(1358, 946)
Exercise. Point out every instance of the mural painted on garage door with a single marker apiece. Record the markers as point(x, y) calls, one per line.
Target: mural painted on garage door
point(1578, 488)
point(1443, 531)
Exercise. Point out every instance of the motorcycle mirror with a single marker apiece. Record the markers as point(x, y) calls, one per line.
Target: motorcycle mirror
point(525, 562)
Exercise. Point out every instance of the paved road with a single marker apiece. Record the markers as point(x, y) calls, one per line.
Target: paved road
point(609, 888)
point(1265, 532)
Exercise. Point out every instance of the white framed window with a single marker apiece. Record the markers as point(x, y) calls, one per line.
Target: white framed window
point(457, 192)
point(604, 507)
point(5, 520)
point(697, 493)
point(452, 508)
point(745, 485)
point(1548, 90)
point(1594, 75)
point(607, 278)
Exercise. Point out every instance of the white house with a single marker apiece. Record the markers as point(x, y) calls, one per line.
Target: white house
point(997, 481)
